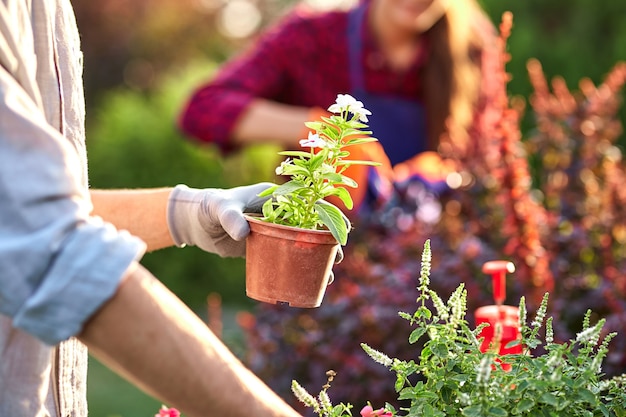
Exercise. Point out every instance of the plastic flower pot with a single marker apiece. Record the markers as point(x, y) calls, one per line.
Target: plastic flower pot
point(288, 265)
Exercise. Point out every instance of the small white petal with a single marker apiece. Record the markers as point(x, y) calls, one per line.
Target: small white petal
point(356, 106)
point(334, 108)
point(314, 141)
point(345, 100)
point(280, 170)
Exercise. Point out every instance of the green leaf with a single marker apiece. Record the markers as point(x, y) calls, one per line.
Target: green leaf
point(314, 125)
point(268, 209)
point(332, 120)
point(348, 162)
point(295, 169)
point(563, 404)
point(524, 405)
point(549, 398)
point(349, 181)
point(344, 196)
point(416, 334)
point(440, 350)
point(333, 177)
point(604, 410)
point(429, 410)
point(360, 140)
point(461, 377)
point(523, 385)
point(299, 154)
point(472, 411)
point(586, 395)
point(268, 191)
point(334, 219)
point(423, 312)
point(316, 161)
point(404, 315)
point(498, 411)
point(339, 410)
point(288, 187)
point(513, 343)
point(399, 383)
point(448, 393)
point(352, 126)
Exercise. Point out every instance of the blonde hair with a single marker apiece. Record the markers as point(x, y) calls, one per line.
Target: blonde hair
point(451, 76)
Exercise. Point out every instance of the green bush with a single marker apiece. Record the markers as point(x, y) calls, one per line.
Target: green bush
point(133, 142)
point(572, 39)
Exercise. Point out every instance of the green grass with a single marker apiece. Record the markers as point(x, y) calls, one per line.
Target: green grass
point(109, 395)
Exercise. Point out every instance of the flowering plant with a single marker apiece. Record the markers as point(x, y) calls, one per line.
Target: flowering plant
point(451, 376)
point(318, 173)
point(552, 202)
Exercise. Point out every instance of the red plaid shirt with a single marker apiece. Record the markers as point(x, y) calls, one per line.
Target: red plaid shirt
point(303, 61)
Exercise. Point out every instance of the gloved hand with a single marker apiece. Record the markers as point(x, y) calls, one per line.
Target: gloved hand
point(212, 218)
point(338, 258)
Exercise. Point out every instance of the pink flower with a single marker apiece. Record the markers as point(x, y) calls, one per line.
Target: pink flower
point(368, 411)
point(167, 412)
point(314, 141)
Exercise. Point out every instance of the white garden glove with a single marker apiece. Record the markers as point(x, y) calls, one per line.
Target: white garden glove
point(212, 218)
point(338, 259)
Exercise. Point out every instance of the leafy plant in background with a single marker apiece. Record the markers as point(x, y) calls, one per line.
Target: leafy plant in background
point(136, 132)
point(136, 43)
point(458, 379)
point(377, 283)
point(318, 174)
point(551, 204)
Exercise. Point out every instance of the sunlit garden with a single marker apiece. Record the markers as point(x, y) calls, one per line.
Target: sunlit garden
point(545, 191)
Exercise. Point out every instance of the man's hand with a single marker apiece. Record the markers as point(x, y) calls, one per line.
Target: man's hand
point(212, 219)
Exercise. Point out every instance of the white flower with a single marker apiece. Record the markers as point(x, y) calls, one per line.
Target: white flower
point(281, 168)
point(442, 310)
point(362, 113)
point(303, 395)
point(314, 141)
point(590, 335)
point(324, 400)
point(377, 356)
point(345, 102)
point(484, 370)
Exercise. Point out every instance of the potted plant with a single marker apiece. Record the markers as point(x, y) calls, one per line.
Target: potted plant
point(451, 376)
point(292, 246)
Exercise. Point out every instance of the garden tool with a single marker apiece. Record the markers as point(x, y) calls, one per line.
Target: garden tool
point(503, 319)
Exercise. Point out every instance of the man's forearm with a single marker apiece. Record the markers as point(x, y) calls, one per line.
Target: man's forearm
point(141, 212)
point(150, 337)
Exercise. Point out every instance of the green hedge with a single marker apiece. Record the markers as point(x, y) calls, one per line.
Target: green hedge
point(133, 142)
point(572, 39)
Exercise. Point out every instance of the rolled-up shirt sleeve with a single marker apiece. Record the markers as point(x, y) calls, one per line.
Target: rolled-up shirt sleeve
point(58, 265)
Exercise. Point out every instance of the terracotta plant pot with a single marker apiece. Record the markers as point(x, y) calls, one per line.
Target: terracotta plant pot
point(288, 265)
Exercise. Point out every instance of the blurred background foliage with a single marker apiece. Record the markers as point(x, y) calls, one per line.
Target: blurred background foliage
point(143, 58)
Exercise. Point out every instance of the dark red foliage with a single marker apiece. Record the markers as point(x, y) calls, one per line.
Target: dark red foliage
point(554, 205)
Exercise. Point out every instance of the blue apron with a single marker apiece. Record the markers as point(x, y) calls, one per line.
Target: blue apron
point(399, 124)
